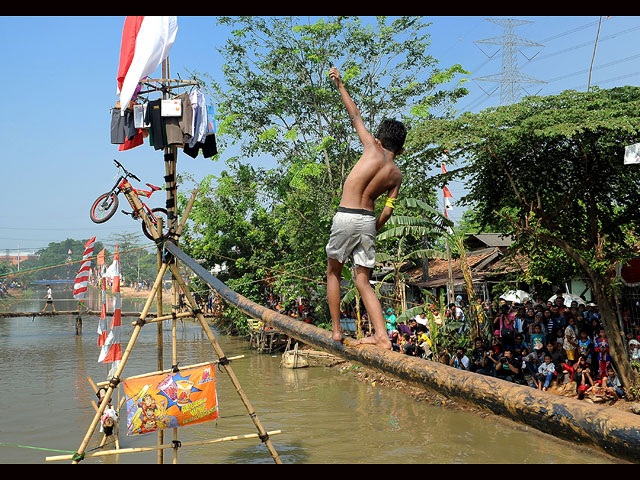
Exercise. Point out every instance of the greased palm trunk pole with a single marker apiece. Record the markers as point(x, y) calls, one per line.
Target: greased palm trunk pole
point(216, 346)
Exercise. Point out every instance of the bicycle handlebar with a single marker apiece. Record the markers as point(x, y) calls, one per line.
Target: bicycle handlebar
point(119, 165)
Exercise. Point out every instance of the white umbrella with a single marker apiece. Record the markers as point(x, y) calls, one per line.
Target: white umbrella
point(519, 296)
point(568, 298)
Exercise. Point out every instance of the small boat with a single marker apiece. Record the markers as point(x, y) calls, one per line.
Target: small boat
point(292, 359)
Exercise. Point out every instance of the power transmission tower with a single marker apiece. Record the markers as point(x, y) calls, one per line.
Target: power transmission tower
point(510, 78)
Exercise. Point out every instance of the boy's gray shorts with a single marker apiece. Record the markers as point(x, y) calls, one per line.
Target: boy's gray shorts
point(353, 236)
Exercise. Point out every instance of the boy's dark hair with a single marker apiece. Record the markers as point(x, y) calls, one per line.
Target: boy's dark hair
point(392, 134)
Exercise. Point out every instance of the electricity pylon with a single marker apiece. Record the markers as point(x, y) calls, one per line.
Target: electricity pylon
point(510, 78)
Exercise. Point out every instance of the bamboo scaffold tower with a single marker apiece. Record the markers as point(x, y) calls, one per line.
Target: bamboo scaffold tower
point(167, 262)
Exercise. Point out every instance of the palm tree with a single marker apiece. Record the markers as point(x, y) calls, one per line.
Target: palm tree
point(403, 232)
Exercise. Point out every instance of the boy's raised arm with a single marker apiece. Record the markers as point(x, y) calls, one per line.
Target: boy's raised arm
point(353, 111)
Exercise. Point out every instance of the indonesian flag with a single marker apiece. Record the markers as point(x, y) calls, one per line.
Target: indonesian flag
point(146, 42)
point(111, 350)
point(82, 278)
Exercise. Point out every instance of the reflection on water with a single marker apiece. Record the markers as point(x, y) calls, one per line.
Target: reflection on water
point(325, 417)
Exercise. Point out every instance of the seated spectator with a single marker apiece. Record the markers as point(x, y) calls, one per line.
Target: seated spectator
point(558, 358)
point(611, 384)
point(545, 374)
point(582, 376)
point(460, 360)
point(508, 368)
point(406, 345)
point(533, 361)
point(479, 362)
point(403, 328)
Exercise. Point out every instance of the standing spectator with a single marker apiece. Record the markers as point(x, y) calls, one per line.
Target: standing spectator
point(634, 351)
point(570, 343)
point(549, 323)
point(538, 337)
point(585, 346)
point(591, 313)
point(390, 320)
point(457, 315)
point(538, 320)
point(546, 370)
point(529, 320)
point(504, 330)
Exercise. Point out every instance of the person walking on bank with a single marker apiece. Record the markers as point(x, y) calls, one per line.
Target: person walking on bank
point(49, 297)
point(354, 227)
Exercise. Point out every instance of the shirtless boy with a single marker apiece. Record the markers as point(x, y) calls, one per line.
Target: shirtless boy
point(353, 232)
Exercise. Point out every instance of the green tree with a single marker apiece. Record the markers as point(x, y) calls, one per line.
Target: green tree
point(278, 102)
point(550, 169)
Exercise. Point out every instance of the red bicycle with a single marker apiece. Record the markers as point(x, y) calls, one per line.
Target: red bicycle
point(106, 204)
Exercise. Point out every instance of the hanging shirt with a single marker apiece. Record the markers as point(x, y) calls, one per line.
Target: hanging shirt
point(200, 117)
point(178, 128)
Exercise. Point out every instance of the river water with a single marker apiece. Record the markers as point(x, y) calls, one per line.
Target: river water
point(325, 417)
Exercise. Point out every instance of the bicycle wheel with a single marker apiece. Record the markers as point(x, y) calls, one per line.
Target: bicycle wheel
point(158, 212)
point(104, 207)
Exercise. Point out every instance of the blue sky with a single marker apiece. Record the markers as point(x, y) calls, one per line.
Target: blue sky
point(59, 82)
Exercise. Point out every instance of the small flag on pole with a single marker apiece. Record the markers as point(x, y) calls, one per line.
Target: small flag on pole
point(446, 195)
point(112, 351)
point(82, 278)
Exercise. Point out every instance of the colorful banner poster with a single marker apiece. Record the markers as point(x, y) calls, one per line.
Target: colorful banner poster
point(171, 400)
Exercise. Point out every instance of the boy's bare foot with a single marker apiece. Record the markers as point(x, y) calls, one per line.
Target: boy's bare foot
point(382, 343)
point(337, 336)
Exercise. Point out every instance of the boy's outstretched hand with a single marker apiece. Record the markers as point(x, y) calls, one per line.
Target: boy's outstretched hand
point(335, 76)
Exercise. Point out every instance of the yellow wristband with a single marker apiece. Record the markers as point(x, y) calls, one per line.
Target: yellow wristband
point(391, 202)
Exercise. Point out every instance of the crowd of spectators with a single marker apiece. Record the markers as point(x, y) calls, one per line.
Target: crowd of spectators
point(540, 344)
point(6, 285)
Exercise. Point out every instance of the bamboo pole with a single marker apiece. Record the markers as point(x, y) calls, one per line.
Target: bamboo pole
point(159, 339)
point(227, 367)
point(105, 453)
point(123, 362)
point(174, 349)
point(169, 370)
point(168, 317)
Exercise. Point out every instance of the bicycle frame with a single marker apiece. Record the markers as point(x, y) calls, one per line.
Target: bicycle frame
point(127, 189)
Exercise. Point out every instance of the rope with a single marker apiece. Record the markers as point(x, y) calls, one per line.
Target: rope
point(35, 448)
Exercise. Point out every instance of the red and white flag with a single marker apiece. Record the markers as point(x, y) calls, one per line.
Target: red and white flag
point(112, 350)
point(446, 194)
point(82, 278)
point(146, 42)
point(102, 323)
